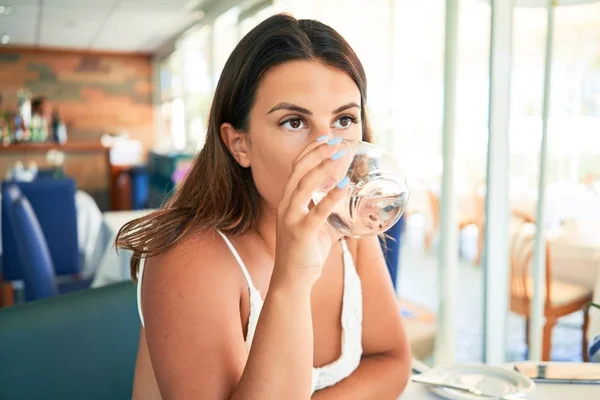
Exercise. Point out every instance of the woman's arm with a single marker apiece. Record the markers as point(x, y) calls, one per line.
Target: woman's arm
point(384, 369)
point(280, 363)
point(191, 304)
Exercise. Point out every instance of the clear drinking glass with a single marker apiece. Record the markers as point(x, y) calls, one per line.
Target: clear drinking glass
point(377, 193)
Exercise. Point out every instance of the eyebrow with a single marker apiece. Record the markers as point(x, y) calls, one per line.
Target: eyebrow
point(302, 110)
point(290, 107)
point(345, 107)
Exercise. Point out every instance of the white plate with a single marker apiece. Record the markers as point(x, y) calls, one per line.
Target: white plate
point(492, 380)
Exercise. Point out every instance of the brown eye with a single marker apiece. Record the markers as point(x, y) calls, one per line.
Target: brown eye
point(345, 121)
point(295, 123)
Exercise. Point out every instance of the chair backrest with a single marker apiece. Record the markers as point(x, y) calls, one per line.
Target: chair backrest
point(36, 266)
point(81, 345)
point(139, 188)
point(50, 173)
point(54, 204)
point(522, 246)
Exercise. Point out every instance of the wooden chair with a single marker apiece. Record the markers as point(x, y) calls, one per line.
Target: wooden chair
point(562, 298)
point(475, 216)
point(478, 217)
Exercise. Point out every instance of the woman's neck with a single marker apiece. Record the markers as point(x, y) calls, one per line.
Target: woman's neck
point(266, 228)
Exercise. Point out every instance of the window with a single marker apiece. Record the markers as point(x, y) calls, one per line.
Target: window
point(226, 37)
point(259, 13)
point(198, 84)
point(172, 110)
point(401, 46)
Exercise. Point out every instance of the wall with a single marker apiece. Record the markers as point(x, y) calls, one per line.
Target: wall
point(96, 93)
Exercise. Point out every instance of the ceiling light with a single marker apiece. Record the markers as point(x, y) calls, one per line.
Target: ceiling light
point(5, 10)
point(5, 39)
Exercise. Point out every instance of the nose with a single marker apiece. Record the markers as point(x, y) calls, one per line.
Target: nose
point(322, 133)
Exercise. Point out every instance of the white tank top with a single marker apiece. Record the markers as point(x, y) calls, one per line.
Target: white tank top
point(351, 353)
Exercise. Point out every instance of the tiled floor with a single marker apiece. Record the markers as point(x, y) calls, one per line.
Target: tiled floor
point(418, 283)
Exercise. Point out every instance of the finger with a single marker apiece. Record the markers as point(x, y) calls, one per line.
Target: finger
point(319, 180)
point(318, 214)
point(312, 156)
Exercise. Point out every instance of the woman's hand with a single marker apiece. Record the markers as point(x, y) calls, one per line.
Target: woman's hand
point(304, 238)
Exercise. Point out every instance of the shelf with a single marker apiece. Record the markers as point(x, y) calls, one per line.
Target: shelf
point(75, 147)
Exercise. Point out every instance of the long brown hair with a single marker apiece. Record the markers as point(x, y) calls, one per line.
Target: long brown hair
point(218, 193)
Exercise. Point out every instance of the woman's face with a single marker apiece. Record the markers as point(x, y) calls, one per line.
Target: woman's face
point(296, 103)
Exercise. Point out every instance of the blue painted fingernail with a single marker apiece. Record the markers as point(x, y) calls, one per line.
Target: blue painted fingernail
point(338, 154)
point(343, 183)
point(333, 141)
point(322, 138)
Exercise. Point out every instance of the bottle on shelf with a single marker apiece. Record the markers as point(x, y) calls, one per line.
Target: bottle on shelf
point(22, 118)
point(38, 129)
point(20, 132)
point(44, 134)
point(5, 137)
point(5, 133)
point(59, 129)
point(34, 128)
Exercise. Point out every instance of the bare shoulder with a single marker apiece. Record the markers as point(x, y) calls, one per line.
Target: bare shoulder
point(198, 269)
point(201, 257)
point(190, 301)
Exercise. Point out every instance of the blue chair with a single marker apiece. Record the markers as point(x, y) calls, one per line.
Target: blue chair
point(391, 249)
point(139, 188)
point(78, 346)
point(594, 351)
point(36, 266)
point(54, 204)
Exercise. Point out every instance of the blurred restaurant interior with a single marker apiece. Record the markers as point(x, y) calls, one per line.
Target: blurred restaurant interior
point(104, 103)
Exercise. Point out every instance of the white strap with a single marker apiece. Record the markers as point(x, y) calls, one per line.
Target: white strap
point(347, 256)
point(139, 289)
point(238, 259)
point(345, 247)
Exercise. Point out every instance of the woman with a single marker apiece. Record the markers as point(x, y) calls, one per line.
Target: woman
point(241, 237)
